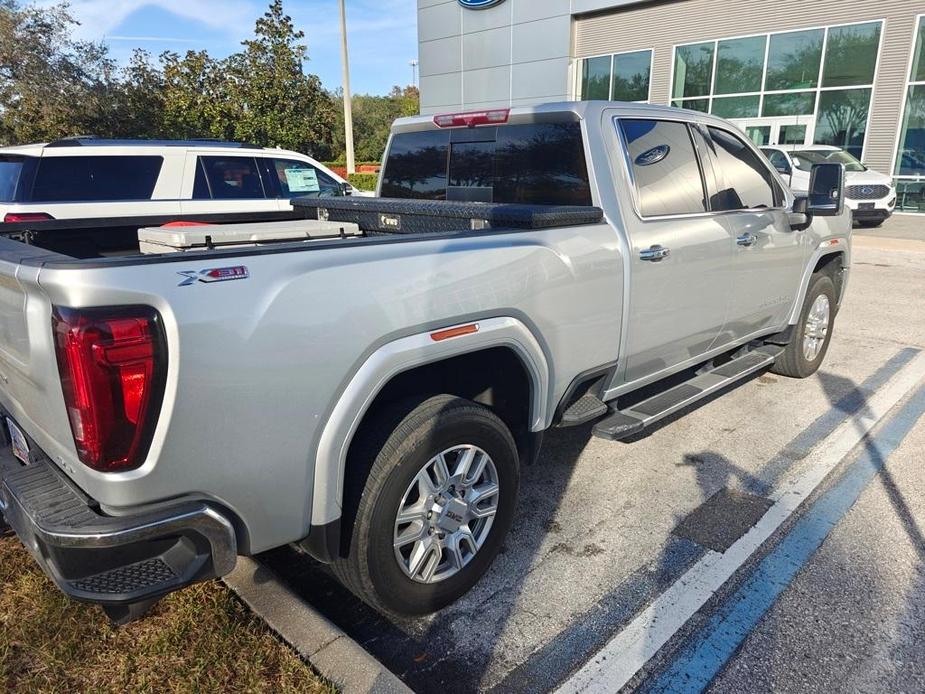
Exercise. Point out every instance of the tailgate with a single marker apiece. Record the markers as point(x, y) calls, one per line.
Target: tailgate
point(29, 387)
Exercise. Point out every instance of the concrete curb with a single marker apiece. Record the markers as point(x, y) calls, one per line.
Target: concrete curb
point(336, 656)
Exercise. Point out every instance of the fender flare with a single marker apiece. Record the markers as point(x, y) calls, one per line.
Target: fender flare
point(830, 246)
point(394, 358)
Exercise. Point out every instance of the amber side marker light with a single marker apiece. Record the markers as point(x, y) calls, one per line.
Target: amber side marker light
point(441, 335)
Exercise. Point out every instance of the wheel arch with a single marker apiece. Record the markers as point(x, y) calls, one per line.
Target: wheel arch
point(833, 256)
point(506, 351)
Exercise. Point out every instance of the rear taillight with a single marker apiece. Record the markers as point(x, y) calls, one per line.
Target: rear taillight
point(113, 365)
point(11, 217)
point(470, 119)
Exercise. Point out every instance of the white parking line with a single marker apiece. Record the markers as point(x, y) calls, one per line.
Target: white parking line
point(631, 648)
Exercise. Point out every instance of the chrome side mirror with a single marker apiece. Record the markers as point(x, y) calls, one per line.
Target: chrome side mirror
point(826, 190)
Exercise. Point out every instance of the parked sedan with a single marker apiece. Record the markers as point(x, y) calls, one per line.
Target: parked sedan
point(870, 195)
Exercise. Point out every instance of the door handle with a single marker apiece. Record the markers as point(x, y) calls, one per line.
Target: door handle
point(654, 253)
point(746, 240)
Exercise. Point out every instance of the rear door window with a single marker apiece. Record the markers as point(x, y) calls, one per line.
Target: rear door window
point(10, 171)
point(665, 168)
point(229, 178)
point(101, 178)
point(743, 179)
point(536, 163)
point(301, 179)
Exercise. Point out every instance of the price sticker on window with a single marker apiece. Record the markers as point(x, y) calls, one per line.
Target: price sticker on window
point(302, 180)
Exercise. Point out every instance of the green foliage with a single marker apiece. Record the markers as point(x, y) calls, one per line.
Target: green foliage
point(364, 181)
point(52, 85)
point(372, 119)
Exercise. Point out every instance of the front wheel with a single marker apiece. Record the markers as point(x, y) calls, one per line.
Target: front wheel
point(435, 508)
point(803, 356)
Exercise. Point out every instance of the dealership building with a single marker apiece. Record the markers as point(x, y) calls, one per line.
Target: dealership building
point(849, 73)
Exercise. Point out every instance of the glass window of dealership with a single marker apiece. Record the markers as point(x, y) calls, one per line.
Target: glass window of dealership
point(805, 86)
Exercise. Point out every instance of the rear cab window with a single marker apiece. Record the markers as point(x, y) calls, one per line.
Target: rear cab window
point(534, 163)
point(95, 178)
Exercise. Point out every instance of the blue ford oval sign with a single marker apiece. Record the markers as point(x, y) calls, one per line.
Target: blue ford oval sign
point(479, 4)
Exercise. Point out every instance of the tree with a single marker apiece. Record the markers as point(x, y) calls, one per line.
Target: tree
point(50, 84)
point(274, 102)
point(372, 120)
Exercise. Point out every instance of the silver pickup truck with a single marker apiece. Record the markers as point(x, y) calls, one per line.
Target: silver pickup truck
point(371, 396)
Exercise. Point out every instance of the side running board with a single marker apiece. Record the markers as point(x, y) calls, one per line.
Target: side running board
point(621, 424)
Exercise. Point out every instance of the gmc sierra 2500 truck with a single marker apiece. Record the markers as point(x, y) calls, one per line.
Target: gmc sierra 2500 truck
point(371, 395)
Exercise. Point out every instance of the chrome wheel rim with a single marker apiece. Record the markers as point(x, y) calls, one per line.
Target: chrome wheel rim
point(816, 328)
point(446, 514)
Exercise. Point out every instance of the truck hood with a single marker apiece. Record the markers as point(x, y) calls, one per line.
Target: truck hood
point(869, 177)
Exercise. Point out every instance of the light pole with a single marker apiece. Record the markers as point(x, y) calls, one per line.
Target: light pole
point(414, 73)
point(348, 105)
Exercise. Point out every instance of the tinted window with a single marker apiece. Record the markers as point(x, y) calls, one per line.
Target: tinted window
point(201, 185)
point(10, 168)
point(540, 163)
point(793, 59)
point(416, 166)
point(693, 70)
point(743, 179)
point(841, 120)
point(735, 106)
point(631, 76)
point(300, 179)
point(851, 55)
point(665, 168)
point(80, 179)
point(543, 164)
point(233, 177)
point(739, 65)
point(595, 77)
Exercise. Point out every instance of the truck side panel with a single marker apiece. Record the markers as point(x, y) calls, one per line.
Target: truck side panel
point(255, 367)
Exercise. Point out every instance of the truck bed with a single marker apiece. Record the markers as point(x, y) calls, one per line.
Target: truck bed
point(116, 240)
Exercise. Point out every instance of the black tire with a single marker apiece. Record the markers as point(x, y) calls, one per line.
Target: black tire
point(792, 362)
point(869, 223)
point(395, 449)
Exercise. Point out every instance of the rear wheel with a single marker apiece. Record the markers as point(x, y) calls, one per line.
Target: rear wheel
point(435, 508)
point(803, 356)
point(869, 223)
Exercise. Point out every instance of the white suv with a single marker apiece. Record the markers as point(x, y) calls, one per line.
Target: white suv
point(869, 194)
point(86, 177)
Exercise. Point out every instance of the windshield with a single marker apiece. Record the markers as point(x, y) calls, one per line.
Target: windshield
point(805, 158)
point(9, 177)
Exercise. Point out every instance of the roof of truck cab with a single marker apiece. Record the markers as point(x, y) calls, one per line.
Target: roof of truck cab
point(590, 111)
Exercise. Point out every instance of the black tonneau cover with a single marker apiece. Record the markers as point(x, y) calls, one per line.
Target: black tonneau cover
point(403, 216)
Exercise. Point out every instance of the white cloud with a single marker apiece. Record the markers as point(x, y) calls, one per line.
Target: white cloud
point(100, 17)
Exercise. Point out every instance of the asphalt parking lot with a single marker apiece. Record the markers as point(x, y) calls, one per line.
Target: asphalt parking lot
point(772, 539)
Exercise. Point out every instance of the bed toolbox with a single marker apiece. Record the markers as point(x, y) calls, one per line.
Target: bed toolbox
point(400, 216)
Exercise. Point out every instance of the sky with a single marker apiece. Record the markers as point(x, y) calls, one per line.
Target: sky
point(382, 36)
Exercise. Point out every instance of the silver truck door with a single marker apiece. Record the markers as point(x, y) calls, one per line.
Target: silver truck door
point(680, 267)
point(769, 255)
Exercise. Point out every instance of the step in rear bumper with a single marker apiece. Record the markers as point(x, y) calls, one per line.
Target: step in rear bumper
point(105, 559)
